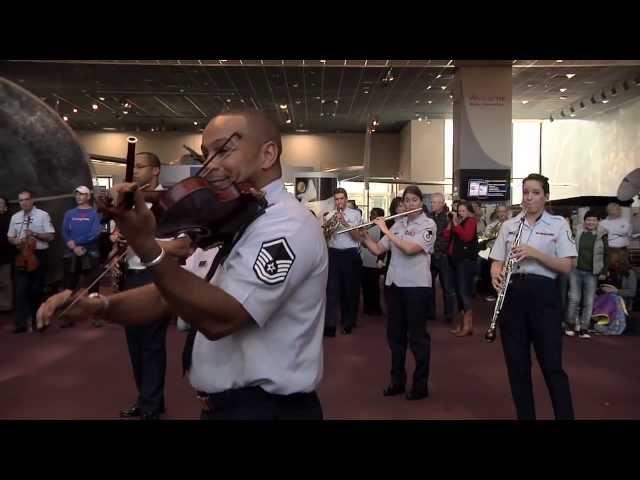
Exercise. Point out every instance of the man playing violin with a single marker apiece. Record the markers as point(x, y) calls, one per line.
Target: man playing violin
point(30, 223)
point(257, 350)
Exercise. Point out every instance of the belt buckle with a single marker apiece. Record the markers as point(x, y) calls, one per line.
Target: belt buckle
point(204, 401)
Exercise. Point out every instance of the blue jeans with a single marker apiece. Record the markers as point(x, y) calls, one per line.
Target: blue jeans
point(582, 290)
point(465, 281)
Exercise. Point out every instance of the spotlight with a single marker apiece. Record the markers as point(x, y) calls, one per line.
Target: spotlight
point(75, 110)
point(429, 102)
point(593, 100)
point(562, 113)
point(614, 92)
point(288, 120)
point(551, 118)
point(126, 112)
point(283, 106)
point(94, 106)
point(195, 122)
point(582, 105)
point(570, 75)
point(625, 85)
point(65, 118)
point(429, 87)
point(101, 99)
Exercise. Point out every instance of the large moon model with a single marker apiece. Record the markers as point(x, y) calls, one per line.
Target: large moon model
point(40, 153)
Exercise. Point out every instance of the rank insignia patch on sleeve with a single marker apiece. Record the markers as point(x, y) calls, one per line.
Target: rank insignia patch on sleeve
point(274, 261)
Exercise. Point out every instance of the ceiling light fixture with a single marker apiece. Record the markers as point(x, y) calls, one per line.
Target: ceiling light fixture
point(65, 118)
point(605, 101)
point(126, 112)
point(559, 61)
point(563, 97)
point(573, 115)
point(195, 122)
point(429, 87)
point(563, 90)
point(94, 106)
point(524, 102)
point(438, 76)
point(429, 102)
point(283, 106)
point(75, 110)
point(301, 130)
point(570, 75)
point(288, 120)
point(101, 99)
point(443, 87)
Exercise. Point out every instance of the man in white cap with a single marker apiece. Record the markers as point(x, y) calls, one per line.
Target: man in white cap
point(81, 231)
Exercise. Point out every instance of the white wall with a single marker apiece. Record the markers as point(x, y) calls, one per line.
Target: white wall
point(591, 156)
point(314, 151)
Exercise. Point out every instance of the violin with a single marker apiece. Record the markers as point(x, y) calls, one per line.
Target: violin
point(26, 259)
point(211, 211)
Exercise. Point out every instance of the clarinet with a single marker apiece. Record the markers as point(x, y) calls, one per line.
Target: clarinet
point(490, 336)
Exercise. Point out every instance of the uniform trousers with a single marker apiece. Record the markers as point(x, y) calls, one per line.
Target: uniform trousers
point(343, 287)
point(254, 403)
point(29, 290)
point(532, 315)
point(406, 325)
point(148, 352)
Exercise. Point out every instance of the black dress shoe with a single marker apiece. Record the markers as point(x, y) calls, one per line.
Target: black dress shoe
point(417, 394)
point(131, 412)
point(329, 331)
point(393, 390)
point(347, 330)
point(150, 416)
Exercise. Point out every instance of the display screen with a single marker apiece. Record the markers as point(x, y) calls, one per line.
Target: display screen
point(488, 189)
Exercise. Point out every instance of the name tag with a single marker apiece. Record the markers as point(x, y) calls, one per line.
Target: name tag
point(411, 233)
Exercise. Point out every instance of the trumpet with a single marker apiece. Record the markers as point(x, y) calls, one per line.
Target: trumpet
point(331, 224)
point(390, 217)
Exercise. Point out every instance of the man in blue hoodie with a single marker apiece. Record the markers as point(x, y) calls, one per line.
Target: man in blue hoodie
point(81, 229)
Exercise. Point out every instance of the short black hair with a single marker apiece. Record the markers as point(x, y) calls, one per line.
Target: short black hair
point(25, 190)
point(377, 211)
point(260, 121)
point(154, 160)
point(467, 205)
point(340, 190)
point(413, 189)
point(544, 181)
point(393, 208)
point(591, 213)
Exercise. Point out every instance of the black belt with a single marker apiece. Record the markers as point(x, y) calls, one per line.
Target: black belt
point(136, 271)
point(529, 276)
point(344, 250)
point(217, 401)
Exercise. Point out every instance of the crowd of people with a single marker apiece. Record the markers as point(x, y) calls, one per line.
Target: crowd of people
point(258, 307)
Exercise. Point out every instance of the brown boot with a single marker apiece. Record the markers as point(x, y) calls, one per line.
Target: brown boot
point(467, 328)
point(458, 329)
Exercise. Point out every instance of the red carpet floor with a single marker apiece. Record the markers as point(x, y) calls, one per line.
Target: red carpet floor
point(84, 373)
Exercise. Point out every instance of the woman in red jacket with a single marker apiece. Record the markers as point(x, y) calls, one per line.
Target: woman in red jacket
point(463, 252)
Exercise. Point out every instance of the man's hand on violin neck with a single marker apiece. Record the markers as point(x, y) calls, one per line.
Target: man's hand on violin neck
point(137, 226)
